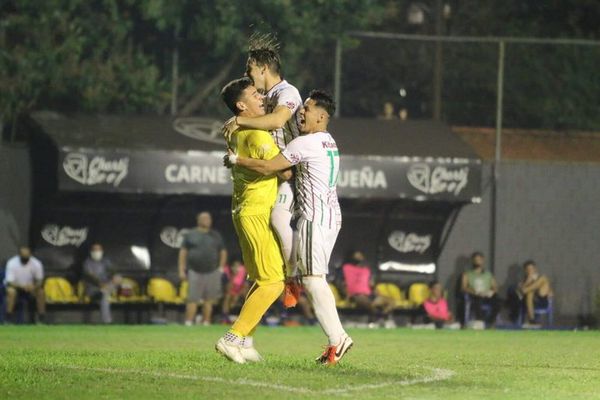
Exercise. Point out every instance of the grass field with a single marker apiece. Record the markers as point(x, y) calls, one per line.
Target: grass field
point(174, 362)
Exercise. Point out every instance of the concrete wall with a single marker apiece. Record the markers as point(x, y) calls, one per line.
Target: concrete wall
point(15, 199)
point(548, 212)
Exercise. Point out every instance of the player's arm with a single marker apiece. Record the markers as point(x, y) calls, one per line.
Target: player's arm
point(263, 167)
point(265, 157)
point(268, 122)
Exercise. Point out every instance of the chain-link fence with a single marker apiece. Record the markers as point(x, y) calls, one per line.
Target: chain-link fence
point(545, 83)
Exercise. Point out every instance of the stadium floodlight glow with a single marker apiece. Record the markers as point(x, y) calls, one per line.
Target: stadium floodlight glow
point(416, 13)
point(142, 255)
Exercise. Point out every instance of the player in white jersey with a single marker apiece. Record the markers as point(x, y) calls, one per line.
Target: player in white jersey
point(282, 104)
point(316, 156)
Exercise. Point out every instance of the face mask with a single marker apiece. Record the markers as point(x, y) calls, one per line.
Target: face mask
point(96, 255)
point(24, 260)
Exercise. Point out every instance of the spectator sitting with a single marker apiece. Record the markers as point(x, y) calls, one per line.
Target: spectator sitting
point(388, 112)
point(23, 281)
point(535, 290)
point(236, 287)
point(436, 308)
point(481, 288)
point(359, 288)
point(99, 281)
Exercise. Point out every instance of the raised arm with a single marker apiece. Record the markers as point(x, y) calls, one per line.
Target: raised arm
point(267, 122)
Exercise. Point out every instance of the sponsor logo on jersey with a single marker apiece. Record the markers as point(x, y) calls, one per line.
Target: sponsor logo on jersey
point(95, 170)
point(439, 179)
point(64, 235)
point(409, 242)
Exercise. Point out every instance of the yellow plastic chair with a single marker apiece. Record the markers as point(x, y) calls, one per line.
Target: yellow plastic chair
point(339, 301)
point(163, 291)
point(81, 292)
point(183, 291)
point(391, 290)
point(418, 293)
point(132, 288)
point(59, 290)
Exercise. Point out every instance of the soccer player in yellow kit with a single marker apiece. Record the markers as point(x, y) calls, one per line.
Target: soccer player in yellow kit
point(253, 199)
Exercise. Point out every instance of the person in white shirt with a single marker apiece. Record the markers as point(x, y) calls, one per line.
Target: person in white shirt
point(23, 280)
point(282, 104)
point(317, 158)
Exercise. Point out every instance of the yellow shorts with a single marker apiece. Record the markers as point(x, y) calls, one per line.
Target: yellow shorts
point(260, 249)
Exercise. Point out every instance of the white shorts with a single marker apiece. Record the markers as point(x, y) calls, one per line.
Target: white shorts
point(314, 244)
point(285, 196)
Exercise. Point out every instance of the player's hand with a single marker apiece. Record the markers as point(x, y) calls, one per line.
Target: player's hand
point(229, 159)
point(228, 129)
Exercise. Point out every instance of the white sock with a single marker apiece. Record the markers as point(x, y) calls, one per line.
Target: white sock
point(280, 220)
point(323, 302)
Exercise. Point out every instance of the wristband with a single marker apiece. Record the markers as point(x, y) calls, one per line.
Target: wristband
point(233, 158)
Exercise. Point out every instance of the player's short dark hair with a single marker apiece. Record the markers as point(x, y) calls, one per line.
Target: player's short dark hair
point(528, 262)
point(476, 254)
point(324, 100)
point(263, 49)
point(232, 92)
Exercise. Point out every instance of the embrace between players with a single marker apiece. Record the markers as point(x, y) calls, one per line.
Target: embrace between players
point(283, 162)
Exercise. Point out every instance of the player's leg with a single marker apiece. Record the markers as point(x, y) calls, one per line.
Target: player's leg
point(266, 267)
point(281, 217)
point(315, 243)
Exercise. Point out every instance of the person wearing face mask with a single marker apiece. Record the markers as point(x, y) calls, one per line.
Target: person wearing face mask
point(23, 281)
point(99, 280)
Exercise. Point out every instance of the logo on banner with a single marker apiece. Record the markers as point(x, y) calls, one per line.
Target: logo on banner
point(204, 129)
point(172, 236)
point(64, 236)
point(440, 179)
point(409, 242)
point(96, 170)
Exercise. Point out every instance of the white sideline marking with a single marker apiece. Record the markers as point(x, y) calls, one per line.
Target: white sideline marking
point(439, 374)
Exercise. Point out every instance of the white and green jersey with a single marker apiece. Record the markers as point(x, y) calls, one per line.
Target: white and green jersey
point(317, 161)
point(284, 94)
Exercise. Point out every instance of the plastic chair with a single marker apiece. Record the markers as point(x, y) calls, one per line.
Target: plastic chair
point(339, 302)
point(163, 291)
point(128, 291)
point(59, 290)
point(418, 293)
point(392, 291)
point(548, 311)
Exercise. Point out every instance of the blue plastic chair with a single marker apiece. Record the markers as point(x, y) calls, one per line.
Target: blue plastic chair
point(540, 311)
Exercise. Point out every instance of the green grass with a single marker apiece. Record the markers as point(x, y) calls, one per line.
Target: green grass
point(166, 362)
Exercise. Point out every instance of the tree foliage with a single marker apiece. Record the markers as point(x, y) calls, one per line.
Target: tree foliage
point(117, 56)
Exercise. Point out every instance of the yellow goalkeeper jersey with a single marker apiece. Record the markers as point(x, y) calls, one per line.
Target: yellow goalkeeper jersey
point(253, 193)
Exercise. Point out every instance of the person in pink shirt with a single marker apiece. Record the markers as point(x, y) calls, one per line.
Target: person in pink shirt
point(235, 288)
point(436, 306)
point(359, 284)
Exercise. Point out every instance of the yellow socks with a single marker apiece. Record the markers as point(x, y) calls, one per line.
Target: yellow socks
point(256, 305)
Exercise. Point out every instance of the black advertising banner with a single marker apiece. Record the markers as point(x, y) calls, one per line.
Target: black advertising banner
point(200, 172)
point(410, 245)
